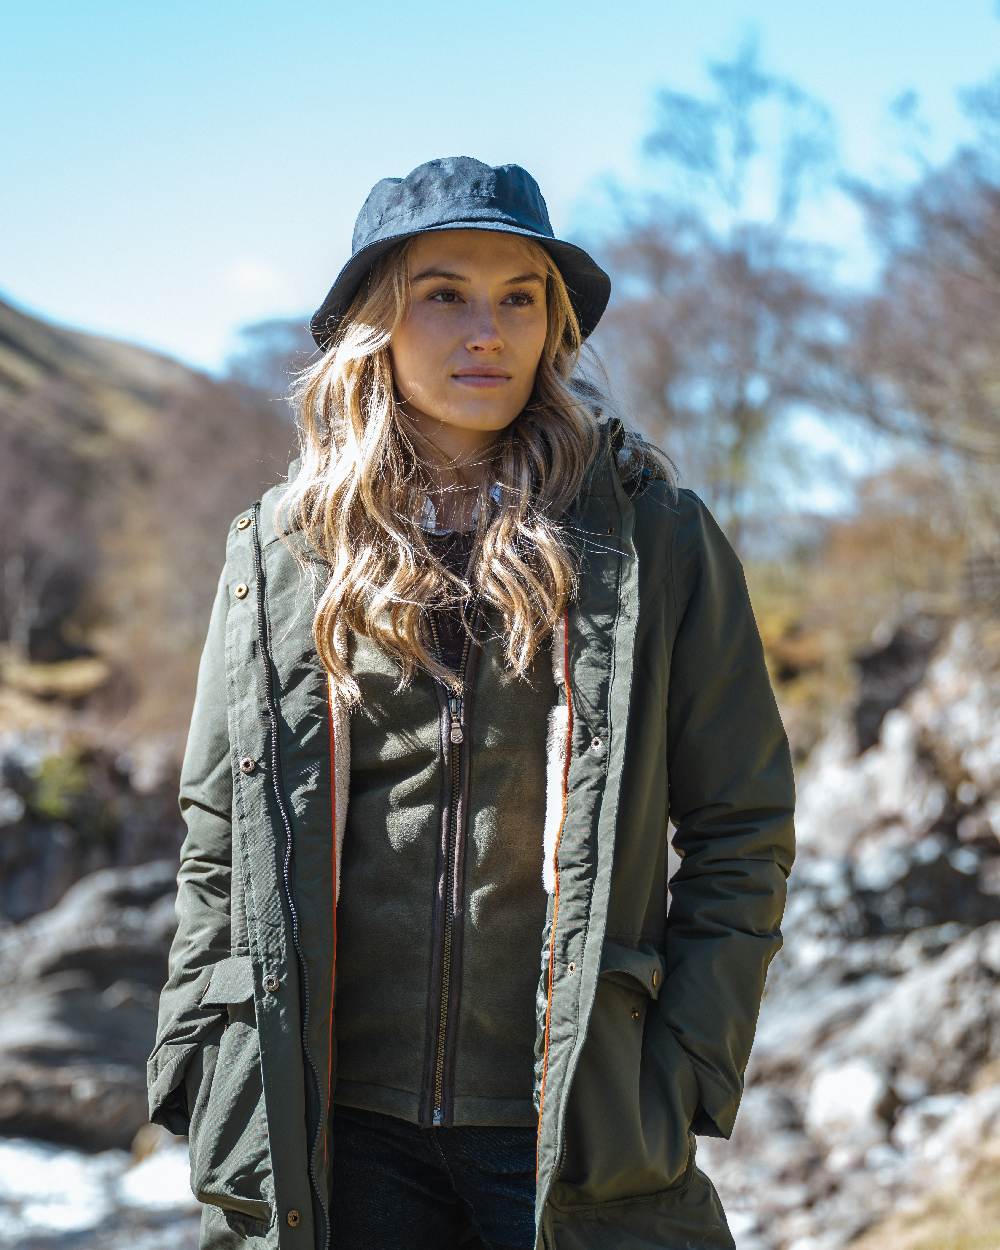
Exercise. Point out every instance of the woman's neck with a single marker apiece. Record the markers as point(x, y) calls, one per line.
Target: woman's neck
point(456, 460)
point(454, 507)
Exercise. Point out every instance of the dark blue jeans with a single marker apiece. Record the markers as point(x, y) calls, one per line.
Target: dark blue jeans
point(397, 1186)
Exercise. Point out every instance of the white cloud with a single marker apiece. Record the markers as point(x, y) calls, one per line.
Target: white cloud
point(256, 278)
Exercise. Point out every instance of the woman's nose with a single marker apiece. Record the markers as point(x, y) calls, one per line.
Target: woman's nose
point(484, 331)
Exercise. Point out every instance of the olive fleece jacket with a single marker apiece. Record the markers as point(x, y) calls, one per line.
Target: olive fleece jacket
point(430, 1013)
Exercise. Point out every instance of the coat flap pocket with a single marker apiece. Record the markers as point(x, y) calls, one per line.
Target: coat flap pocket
point(231, 982)
point(634, 966)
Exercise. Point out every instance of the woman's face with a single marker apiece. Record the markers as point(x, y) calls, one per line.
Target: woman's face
point(477, 308)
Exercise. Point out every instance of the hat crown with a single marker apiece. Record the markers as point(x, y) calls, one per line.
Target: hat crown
point(461, 193)
point(442, 190)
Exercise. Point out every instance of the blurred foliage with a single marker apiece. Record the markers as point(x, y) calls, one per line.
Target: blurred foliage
point(269, 352)
point(65, 788)
point(60, 786)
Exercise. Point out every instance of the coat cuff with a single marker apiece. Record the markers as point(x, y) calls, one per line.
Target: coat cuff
point(714, 1109)
point(716, 1113)
point(165, 1086)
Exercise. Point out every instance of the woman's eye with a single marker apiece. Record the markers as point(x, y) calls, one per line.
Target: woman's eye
point(526, 296)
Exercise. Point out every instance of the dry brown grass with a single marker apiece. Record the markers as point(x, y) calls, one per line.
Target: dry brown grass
point(962, 1215)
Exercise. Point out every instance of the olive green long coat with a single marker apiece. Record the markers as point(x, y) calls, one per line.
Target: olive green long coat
point(644, 1022)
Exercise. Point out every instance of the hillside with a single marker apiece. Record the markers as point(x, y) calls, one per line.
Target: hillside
point(118, 467)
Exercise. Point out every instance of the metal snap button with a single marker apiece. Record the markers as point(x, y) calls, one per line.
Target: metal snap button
point(248, 764)
point(572, 967)
point(241, 591)
point(636, 1013)
point(596, 744)
point(243, 522)
point(271, 983)
point(656, 977)
point(292, 1218)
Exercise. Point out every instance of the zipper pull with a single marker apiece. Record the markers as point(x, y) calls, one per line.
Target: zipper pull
point(455, 708)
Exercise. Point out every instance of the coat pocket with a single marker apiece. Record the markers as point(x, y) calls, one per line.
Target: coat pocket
point(228, 1138)
point(628, 1115)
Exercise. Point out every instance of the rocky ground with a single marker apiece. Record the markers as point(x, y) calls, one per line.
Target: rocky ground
point(871, 1117)
point(57, 1198)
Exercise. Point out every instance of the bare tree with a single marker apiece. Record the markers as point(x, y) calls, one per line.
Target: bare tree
point(925, 353)
point(923, 358)
point(722, 322)
point(711, 145)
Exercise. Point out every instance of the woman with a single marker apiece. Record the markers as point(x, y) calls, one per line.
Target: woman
point(424, 990)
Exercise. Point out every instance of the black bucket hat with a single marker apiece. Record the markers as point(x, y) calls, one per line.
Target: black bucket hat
point(451, 193)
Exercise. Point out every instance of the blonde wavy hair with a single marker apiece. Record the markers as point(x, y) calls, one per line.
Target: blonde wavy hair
point(362, 481)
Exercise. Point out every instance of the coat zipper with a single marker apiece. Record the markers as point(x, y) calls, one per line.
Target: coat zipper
point(276, 786)
point(456, 736)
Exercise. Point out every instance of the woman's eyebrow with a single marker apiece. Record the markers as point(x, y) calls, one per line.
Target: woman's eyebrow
point(457, 277)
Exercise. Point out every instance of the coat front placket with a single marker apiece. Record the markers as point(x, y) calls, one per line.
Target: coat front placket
point(601, 631)
point(277, 725)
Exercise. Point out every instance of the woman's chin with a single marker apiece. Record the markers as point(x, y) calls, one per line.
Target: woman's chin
point(481, 416)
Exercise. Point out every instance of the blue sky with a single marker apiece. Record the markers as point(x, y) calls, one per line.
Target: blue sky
point(172, 171)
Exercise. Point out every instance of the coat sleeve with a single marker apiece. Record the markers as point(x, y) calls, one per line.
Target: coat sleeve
point(202, 936)
point(731, 801)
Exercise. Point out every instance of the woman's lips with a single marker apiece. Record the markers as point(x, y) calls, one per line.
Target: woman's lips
point(479, 379)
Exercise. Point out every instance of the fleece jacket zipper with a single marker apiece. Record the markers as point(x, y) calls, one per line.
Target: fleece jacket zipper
point(456, 712)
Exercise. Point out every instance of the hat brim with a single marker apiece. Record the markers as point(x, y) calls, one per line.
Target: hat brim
point(588, 285)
